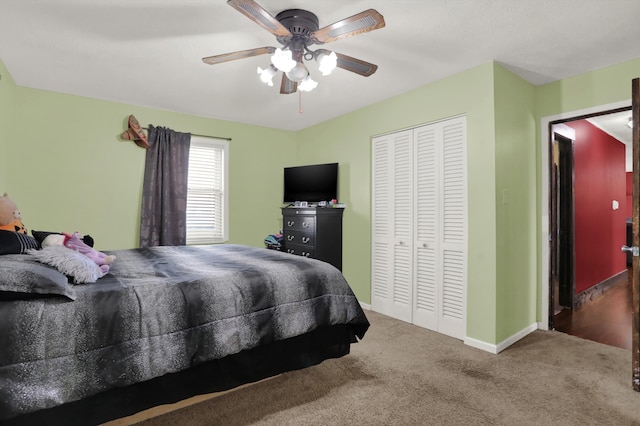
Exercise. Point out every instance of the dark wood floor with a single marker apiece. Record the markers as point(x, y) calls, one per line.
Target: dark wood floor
point(606, 319)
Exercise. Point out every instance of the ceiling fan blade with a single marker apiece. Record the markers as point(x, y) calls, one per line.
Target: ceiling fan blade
point(357, 66)
point(287, 86)
point(257, 14)
point(363, 22)
point(226, 57)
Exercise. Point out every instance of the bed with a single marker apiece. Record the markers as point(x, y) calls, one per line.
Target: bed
point(164, 324)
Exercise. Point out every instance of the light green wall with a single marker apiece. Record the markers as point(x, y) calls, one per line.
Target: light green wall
point(65, 152)
point(589, 90)
point(75, 173)
point(515, 203)
point(347, 139)
point(7, 101)
point(80, 175)
point(600, 87)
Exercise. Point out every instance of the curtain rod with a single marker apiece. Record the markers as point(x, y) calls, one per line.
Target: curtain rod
point(203, 136)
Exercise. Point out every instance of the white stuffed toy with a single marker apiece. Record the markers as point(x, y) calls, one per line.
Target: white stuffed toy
point(73, 242)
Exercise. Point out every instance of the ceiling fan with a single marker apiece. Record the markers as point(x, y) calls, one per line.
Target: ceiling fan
point(296, 30)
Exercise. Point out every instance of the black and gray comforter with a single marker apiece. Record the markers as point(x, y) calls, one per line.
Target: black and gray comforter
point(161, 310)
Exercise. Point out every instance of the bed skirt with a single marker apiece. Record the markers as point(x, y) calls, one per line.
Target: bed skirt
point(214, 376)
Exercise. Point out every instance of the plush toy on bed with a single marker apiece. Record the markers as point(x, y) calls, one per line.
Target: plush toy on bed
point(73, 242)
point(10, 219)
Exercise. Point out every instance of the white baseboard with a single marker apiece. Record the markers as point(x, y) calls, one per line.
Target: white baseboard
point(497, 348)
point(365, 306)
point(515, 337)
point(479, 344)
point(490, 347)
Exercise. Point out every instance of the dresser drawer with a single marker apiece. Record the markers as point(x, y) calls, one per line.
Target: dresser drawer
point(299, 223)
point(299, 237)
point(300, 250)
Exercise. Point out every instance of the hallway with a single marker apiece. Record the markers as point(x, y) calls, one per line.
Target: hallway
point(606, 319)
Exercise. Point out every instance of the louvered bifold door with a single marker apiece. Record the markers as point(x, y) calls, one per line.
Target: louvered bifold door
point(392, 224)
point(419, 226)
point(453, 241)
point(381, 231)
point(426, 194)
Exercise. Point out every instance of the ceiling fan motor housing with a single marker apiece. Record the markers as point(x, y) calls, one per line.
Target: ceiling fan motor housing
point(300, 23)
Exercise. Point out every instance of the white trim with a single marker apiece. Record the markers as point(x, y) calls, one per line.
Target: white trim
point(421, 125)
point(515, 337)
point(544, 251)
point(496, 349)
point(479, 344)
point(365, 306)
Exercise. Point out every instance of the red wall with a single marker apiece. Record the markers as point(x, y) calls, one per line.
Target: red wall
point(599, 178)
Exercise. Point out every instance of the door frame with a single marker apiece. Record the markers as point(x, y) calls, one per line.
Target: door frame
point(546, 145)
point(562, 207)
point(635, 215)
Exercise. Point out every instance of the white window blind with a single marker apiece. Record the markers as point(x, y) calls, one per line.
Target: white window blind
point(207, 191)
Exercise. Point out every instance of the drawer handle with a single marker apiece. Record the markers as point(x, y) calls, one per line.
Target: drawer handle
point(291, 223)
point(290, 237)
point(305, 254)
point(305, 224)
point(306, 239)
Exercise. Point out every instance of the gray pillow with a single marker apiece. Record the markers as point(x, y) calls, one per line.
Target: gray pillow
point(21, 278)
point(69, 262)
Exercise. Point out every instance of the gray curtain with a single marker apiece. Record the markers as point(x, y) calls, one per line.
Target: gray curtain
point(163, 221)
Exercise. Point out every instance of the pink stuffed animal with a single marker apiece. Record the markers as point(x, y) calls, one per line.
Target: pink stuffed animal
point(75, 243)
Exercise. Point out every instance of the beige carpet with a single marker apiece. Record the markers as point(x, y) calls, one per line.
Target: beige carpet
point(401, 374)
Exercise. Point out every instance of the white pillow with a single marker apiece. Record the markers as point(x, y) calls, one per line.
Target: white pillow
point(69, 262)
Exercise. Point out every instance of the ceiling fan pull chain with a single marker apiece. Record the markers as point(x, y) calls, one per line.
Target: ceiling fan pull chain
point(300, 109)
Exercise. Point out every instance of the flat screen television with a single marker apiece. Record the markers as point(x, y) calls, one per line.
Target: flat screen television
point(312, 183)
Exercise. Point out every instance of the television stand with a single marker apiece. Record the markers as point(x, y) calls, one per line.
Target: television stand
point(314, 232)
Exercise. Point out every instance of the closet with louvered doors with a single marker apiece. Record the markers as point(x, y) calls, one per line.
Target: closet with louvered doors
point(419, 226)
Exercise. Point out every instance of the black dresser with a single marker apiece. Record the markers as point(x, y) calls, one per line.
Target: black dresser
point(314, 232)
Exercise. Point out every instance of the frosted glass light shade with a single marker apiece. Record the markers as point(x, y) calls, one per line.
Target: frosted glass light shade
point(307, 85)
point(266, 75)
point(283, 60)
point(327, 62)
point(298, 73)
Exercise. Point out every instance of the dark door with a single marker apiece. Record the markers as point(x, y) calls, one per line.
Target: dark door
point(635, 264)
point(565, 233)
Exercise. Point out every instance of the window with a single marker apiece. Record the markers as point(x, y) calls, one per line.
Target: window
point(207, 191)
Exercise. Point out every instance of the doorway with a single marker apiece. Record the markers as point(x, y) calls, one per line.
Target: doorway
point(565, 297)
point(563, 272)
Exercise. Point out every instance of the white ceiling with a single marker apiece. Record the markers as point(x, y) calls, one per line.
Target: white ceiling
point(617, 125)
point(148, 52)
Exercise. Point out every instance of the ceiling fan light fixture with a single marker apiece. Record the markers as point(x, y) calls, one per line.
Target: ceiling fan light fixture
point(327, 61)
point(307, 85)
point(266, 75)
point(283, 60)
point(296, 30)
